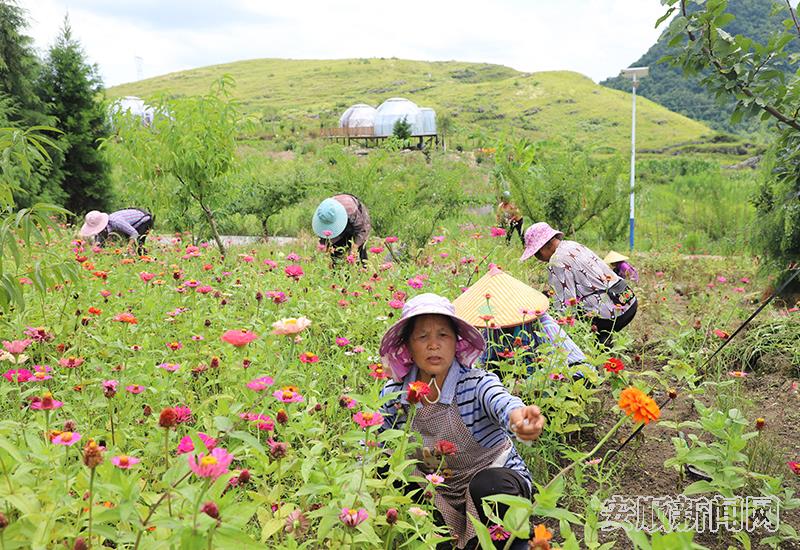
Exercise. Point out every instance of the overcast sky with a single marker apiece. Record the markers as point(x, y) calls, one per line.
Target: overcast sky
point(593, 37)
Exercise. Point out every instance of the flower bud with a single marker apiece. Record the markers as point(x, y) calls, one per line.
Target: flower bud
point(3, 521)
point(760, 424)
point(391, 516)
point(147, 410)
point(210, 509)
point(244, 477)
point(70, 426)
point(672, 393)
point(80, 544)
point(282, 417)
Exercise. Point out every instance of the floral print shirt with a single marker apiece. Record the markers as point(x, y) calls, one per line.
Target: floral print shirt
point(579, 277)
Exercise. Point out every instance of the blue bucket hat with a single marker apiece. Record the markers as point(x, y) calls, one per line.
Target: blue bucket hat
point(330, 219)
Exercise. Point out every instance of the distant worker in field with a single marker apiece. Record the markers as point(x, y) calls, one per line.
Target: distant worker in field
point(340, 222)
point(582, 280)
point(129, 223)
point(619, 265)
point(509, 217)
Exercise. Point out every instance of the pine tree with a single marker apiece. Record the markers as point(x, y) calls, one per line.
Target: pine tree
point(73, 91)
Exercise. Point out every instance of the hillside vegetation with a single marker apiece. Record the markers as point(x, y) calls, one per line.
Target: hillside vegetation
point(483, 101)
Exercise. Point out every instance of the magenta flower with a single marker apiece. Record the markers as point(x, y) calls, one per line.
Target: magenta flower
point(146, 277)
point(287, 395)
point(170, 367)
point(391, 240)
point(18, 375)
point(415, 282)
point(497, 231)
point(187, 446)
point(437, 239)
point(15, 347)
point(66, 438)
point(135, 389)
point(435, 479)
point(205, 289)
point(40, 334)
point(376, 249)
point(46, 403)
point(124, 461)
point(40, 376)
point(396, 304)
point(293, 257)
point(262, 421)
point(721, 279)
point(351, 518)
point(342, 342)
point(247, 258)
point(293, 271)
point(277, 296)
point(110, 385)
point(367, 419)
point(238, 338)
point(211, 465)
point(260, 384)
point(184, 414)
point(270, 264)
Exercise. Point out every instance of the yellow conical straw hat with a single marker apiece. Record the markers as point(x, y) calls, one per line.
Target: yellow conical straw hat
point(613, 257)
point(508, 297)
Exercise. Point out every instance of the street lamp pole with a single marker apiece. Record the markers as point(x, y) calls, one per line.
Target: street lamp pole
point(635, 74)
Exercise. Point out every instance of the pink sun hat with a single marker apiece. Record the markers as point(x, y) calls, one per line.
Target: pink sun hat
point(95, 222)
point(394, 352)
point(536, 236)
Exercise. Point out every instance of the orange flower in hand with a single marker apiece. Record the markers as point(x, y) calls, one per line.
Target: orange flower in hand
point(640, 406)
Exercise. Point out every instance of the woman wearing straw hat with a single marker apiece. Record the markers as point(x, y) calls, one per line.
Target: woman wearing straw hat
point(340, 222)
point(580, 278)
point(131, 223)
point(619, 265)
point(465, 416)
point(513, 315)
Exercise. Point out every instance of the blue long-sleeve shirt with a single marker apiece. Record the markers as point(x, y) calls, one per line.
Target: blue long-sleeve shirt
point(543, 330)
point(483, 403)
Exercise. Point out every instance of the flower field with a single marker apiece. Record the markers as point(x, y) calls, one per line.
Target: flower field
point(183, 400)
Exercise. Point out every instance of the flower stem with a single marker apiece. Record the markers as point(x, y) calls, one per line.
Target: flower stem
point(197, 505)
point(597, 447)
point(511, 539)
point(111, 415)
point(91, 503)
point(166, 468)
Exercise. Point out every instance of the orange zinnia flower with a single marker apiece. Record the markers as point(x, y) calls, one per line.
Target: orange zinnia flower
point(640, 406)
point(541, 535)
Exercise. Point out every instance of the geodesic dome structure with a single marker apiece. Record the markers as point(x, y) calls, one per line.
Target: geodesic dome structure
point(428, 121)
point(359, 115)
point(136, 106)
point(394, 109)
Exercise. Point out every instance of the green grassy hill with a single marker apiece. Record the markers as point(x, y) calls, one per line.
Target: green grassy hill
point(484, 101)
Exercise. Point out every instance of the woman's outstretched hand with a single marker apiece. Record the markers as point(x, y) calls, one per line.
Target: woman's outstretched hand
point(526, 422)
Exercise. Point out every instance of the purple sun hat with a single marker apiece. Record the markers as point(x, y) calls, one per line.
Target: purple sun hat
point(394, 352)
point(536, 236)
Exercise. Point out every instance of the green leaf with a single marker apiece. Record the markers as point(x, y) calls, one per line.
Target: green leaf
point(484, 538)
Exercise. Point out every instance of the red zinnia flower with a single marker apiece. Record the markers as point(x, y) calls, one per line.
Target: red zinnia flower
point(614, 365)
point(239, 338)
point(417, 390)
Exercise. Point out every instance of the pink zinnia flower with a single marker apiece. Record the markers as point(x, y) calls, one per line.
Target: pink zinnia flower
point(376, 249)
point(293, 257)
point(722, 279)
point(124, 461)
point(66, 438)
point(497, 533)
point(247, 258)
point(794, 467)
point(40, 376)
point(287, 395)
point(435, 479)
point(15, 347)
point(262, 421)
point(18, 375)
point(174, 346)
point(239, 338)
point(367, 419)
point(391, 240)
point(270, 264)
point(187, 446)
point(342, 342)
point(211, 465)
point(351, 518)
point(293, 271)
point(170, 367)
point(396, 304)
point(25, 281)
point(184, 414)
point(276, 296)
point(70, 362)
point(289, 326)
point(308, 357)
point(197, 338)
point(260, 384)
point(146, 277)
point(437, 239)
point(204, 289)
point(105, 293)
point(497, 231)
point(191, 283)
point(46, 403)
point(415, 282)
point(135, 389)
point(377, 371)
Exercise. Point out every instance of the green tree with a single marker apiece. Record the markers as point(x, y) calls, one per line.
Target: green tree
point(402, 129)
point(72, 89)
point(751, 73)
point(21, 107)
point(186, 155)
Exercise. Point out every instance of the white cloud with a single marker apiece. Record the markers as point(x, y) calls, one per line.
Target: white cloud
point(593, 37)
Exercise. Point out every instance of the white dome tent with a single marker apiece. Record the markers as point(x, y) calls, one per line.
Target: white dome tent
point(395, 109)
point(359, 115)
point(136, 106)
point(428, 121)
